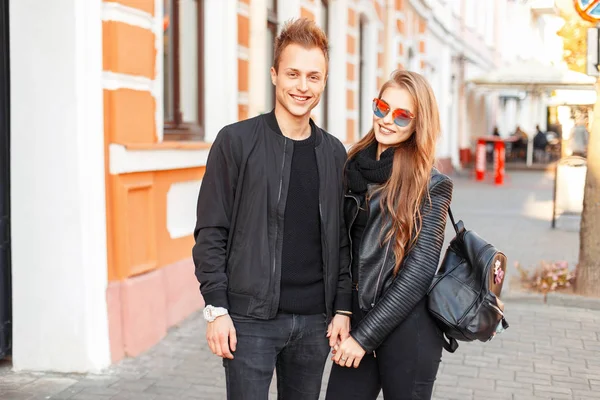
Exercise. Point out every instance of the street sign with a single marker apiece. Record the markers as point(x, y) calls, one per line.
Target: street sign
point(588, 9)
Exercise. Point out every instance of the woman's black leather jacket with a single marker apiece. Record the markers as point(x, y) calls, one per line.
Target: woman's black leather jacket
point(389, 299)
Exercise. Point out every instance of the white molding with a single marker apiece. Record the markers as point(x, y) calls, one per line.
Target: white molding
point(129, 15)
point(257, 52)
point(352, 85)
point(421, 9)
point(220, 66)
point(336, 110)
point(369, 69)
point(157, 89)
point(243, 98)
point(181, 208)
point(286, 10)
point(243, 53)
point(115, 81)
point(352, 114)
point(243, 9)
point(57, 153)
point(123, 161)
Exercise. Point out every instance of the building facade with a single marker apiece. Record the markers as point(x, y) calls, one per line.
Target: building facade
point(114, 105)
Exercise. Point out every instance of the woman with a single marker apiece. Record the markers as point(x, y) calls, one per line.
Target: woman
point(396, 207)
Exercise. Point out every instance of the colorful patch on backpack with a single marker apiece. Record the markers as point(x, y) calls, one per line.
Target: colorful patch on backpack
point(498, 272)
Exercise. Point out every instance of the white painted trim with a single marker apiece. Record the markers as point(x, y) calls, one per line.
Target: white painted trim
point(124, 161)
point(115, 81)
point(157, 89)
point(60, 317)
point(243, 53)
point(243, 9)
point(352, 85)
point(421, 9)
point(336, 110)
point(352, 114)
point(181, 208)
point(220, 66)
point(243, 98)
point(258, 78)
point(129, 15)
point(369, 88)
point(286, 10)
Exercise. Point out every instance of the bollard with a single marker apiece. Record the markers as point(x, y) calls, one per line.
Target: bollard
point(499, 158)
point(480, 161)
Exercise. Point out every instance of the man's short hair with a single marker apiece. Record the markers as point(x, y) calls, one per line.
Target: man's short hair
point(303, 32)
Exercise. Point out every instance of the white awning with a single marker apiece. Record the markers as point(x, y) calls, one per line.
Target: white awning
point(533, 75)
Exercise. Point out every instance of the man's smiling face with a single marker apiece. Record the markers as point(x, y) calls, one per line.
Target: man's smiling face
point(300, 79)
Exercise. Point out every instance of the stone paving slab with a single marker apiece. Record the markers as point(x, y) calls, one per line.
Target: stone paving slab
point(549, 352)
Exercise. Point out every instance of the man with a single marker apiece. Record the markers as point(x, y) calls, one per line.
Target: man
point(540, 144)
point(271, 249)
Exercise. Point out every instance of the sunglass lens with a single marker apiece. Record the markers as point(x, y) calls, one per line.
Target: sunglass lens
point(402, 122)
point(379, 108)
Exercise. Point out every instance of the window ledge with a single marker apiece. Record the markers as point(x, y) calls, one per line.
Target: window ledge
point(169, 145)
point(146, 157)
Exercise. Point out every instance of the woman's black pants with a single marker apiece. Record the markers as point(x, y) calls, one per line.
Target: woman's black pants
point(404, 366)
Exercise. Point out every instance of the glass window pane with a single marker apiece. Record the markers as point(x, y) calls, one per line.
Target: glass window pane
point(168, 61)
point(188, 54)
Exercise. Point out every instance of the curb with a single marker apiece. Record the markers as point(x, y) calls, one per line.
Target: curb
point(553, 299)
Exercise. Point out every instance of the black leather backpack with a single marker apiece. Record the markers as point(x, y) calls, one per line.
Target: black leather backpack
point(464, 295)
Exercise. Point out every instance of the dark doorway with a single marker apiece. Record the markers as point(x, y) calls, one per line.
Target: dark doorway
point(5, 265)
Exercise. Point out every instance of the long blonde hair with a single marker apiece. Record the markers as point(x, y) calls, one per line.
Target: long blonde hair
point(404, 192)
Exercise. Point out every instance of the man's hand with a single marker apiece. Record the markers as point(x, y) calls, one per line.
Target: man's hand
point(221, 337)
point(349, 353)
point(338, 330)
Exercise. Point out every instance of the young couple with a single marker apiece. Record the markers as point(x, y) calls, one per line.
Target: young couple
point(301, 249)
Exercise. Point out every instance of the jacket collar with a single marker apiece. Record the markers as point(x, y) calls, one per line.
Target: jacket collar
point(274, 125)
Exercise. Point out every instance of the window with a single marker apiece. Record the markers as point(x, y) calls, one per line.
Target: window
point(271, 35)
point(183, 69)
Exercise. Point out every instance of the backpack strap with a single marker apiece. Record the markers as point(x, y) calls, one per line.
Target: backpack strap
point(457, 227)
point(450, 344)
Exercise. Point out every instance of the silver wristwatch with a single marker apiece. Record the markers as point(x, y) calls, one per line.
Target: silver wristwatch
point(211, 313)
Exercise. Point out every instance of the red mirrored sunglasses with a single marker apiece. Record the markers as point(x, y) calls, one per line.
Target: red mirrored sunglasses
point(401, 116)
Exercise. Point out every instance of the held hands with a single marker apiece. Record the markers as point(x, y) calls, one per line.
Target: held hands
point(221, 337)
point(348, 354)
point(338, 330)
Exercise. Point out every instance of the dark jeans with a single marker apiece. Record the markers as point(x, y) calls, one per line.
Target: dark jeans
point(405, 364)
point(294, 345)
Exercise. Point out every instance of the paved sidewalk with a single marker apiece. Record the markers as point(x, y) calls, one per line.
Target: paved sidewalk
point(549, 352)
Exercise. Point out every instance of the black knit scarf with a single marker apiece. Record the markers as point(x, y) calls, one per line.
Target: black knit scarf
point(364, 168)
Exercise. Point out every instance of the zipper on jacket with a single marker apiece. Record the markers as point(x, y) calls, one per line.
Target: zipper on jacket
point(349, 228)
point(324, 251)
point(387, 249)
point(277, 209)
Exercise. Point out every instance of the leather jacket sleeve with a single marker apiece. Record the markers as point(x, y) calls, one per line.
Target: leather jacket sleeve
point(215, 207)
point(415, 275)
